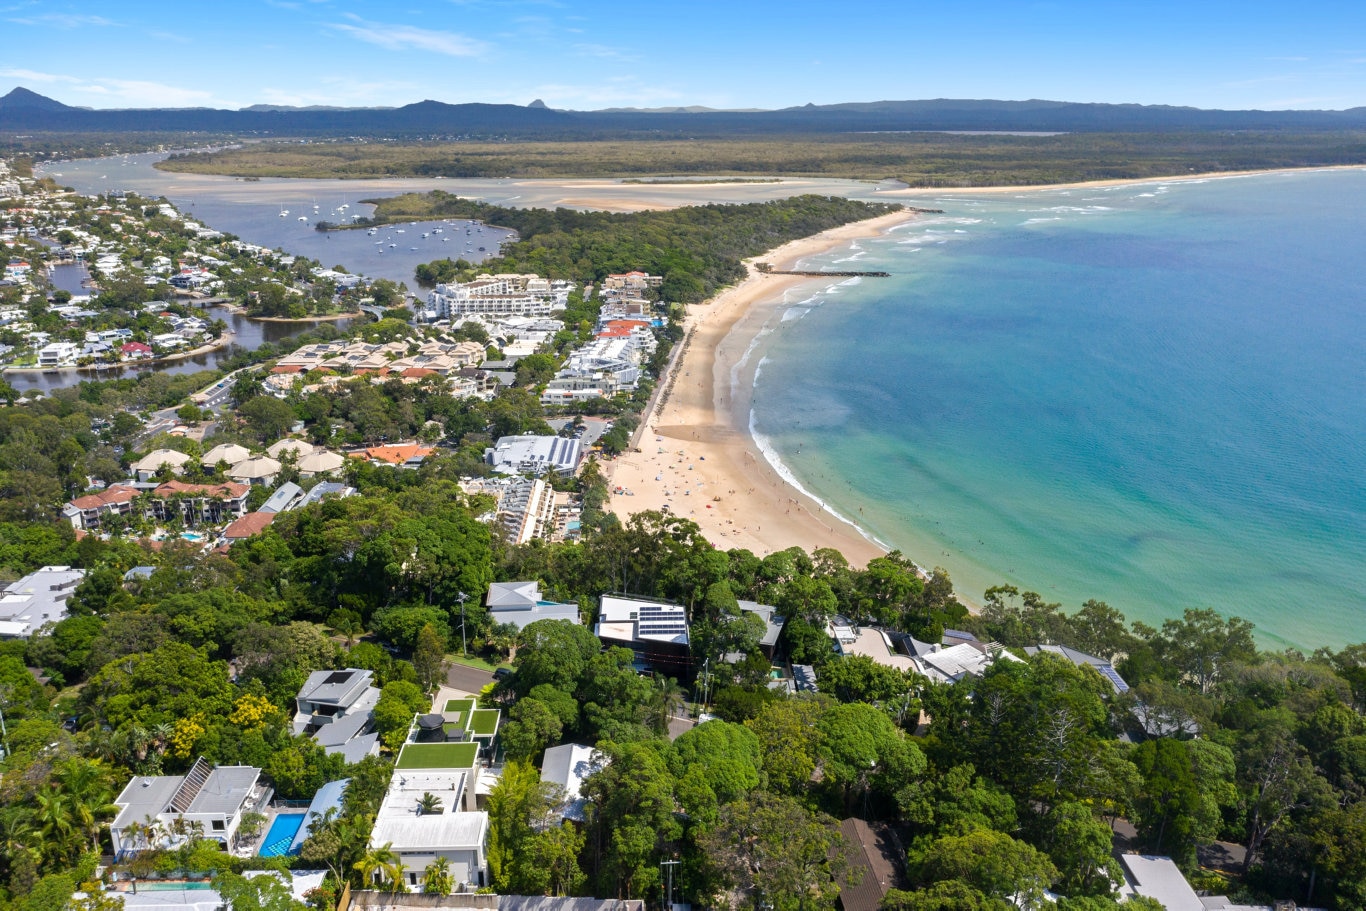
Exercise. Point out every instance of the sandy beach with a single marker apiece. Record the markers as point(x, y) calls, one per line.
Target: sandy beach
point(696, 455)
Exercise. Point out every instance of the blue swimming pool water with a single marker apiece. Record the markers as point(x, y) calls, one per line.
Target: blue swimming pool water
point(281, 834)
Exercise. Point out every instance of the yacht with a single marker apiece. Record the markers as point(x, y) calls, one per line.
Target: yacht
point(303, 218)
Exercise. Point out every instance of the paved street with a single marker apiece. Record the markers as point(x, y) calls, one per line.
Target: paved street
point(469, 679)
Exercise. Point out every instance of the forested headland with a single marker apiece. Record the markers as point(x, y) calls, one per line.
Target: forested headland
point(697, 249)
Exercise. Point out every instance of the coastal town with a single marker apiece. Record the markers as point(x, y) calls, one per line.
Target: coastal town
point(102, 281)
point(486, 601)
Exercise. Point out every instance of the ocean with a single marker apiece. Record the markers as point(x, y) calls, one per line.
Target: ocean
point(1152, 395)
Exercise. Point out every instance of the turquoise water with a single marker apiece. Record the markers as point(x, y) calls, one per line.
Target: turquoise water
point(281, 834)
point(1152, 395)
point(174, 887)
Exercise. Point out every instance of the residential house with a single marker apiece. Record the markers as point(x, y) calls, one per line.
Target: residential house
point(298, 448)
point(656, 631)
point(773, 624)
point(59, 354)
point(136, 351)
point(36, 600)
point(215, 798)
point(324, 489)
point(521, 604)
point(419, 829)
point(567, 766)
point(1105, 668)
point(283, 499)
point(250, 525)
point(875, 858)
point(337, 709)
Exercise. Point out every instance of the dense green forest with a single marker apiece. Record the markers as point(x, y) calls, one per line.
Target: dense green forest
point(697, 249)
point(920, 159)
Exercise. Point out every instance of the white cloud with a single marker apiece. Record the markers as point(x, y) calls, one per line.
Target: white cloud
point(35, 76)
point(64, 20)
point(604, 52)
point(119, 93)
point(410, 37)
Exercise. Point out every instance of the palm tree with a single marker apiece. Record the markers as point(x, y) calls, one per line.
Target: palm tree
point(429, 804)
point(382, 864)
point(88, 786)
point(504, 638)
point(665, 702)
point(437, 878)
point(161, 735)
point(56, 824)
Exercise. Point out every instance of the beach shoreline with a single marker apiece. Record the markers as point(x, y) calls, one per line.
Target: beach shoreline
point(696, 453)
point(1111, 183)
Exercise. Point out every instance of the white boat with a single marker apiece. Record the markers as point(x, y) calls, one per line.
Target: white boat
point(303, 218)
point(284, 213)
point(393, 245)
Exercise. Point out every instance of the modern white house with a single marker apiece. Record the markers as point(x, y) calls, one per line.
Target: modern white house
point(450, 826)
point(161, 810)
point(521, 604)
point(336, 708)
point(36, 600)
point(656, 631)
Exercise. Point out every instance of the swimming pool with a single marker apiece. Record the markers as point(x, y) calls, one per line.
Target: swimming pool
point(196, 886)
point(191, 536)
point(281, 834)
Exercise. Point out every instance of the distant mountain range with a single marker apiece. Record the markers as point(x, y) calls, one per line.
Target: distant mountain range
point(23, 109)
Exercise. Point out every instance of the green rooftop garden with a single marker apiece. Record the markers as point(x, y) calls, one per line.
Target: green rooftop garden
point(438, 756)
point(484, 722)
point(462, 706)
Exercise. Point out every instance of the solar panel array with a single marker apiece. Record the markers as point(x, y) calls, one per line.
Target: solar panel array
point(662, 620)
point(1113, 675)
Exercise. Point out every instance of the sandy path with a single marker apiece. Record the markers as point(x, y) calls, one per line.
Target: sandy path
point(696, 455)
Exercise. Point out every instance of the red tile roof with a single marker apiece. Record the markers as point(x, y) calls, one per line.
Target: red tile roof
point(230, 490)
point(114, 495)
point(253, 523)
point(394, 455)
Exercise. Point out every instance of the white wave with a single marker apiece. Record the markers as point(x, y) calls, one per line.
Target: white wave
point(1038, 221)
point(765, 447)
point(1145, 195)
point(850, 282)
point(794, 313)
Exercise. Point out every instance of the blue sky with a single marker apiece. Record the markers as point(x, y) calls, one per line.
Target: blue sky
point(593, 54)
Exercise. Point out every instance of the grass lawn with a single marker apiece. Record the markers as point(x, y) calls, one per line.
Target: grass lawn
point(472, 661)
point(463, 706)
point(438, 756)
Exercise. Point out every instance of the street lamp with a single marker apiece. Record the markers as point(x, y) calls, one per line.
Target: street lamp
point(462, 598)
